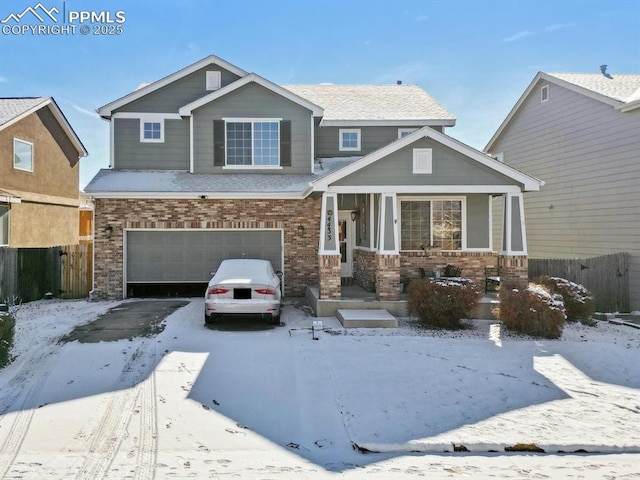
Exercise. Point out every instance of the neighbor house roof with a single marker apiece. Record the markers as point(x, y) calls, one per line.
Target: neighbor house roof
point(13, 110)
point(620, 91)
point(364, 105)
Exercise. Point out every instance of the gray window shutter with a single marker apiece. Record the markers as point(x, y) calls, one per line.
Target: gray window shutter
point(218, 143)
point(285, 143)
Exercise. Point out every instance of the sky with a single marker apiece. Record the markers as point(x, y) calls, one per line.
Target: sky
point(474, 57)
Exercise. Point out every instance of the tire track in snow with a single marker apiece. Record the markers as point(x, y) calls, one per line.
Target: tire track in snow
point(148, 438)
point(20, 426)
point(112, 429)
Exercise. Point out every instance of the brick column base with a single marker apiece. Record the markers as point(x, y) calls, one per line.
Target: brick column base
point(513, 267)
point(329, 275)
point(388, 277)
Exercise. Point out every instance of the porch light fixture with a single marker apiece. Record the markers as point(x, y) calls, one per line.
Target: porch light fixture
point(108, 231)
point(300, 230)
point(354, 215)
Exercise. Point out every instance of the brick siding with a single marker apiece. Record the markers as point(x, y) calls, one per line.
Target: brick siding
point(300, 247)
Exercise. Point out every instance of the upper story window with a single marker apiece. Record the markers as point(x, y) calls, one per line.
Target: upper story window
point(151, 130)
point(22, 155)
point(349, 140)
point(403, 132)
point(214, 80)
point(253, 143)
point(4, 225)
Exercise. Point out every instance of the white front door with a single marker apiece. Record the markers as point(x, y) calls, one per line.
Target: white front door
point(346, 236)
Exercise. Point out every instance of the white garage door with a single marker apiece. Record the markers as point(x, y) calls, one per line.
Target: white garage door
point(164, 256)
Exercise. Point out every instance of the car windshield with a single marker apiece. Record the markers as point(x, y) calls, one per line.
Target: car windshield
point(244, 271)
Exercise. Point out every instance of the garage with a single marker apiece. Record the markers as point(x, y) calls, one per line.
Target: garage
point(179, 262)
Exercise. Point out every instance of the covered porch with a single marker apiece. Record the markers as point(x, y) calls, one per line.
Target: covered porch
point(354, 297)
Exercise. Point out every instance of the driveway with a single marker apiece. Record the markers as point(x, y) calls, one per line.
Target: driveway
point(194, 402)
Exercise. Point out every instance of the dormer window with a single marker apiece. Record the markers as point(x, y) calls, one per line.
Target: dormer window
point(544, 93)
point(214, 80)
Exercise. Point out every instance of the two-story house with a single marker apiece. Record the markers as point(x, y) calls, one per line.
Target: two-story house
point(326, 181)
point(39, 172)
point(581, 132)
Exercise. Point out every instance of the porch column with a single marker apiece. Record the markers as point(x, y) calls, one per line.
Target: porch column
point(513, 261)
point(329, 249)
point(388, 253)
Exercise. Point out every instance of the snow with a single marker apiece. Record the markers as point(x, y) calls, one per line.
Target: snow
point(205, 403)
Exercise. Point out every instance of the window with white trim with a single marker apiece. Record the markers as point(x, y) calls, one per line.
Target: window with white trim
point(422, 161)
point(403, 132)
point(430, 223)
point(544, 93)
point(253, 143)
point(151, 130)
point(349, 140)
point(22, 155)
point(214, 80)
point(4, 225)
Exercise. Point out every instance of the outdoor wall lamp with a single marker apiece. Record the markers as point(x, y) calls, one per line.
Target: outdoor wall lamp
point(354, 215)
point(108, 231)
point(300, 230)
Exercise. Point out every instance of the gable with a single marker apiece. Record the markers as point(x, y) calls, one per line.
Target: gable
point(448, 166)
point(169, 98)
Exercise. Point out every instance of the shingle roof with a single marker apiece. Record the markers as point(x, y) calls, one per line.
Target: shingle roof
point(624, 88)
point(11, 108)
point(168, 182)
point(373, 102)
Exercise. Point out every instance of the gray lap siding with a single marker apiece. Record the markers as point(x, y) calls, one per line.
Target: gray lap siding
point(300, 247)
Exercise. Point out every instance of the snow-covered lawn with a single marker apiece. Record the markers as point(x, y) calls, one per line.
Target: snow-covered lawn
point(198, 403)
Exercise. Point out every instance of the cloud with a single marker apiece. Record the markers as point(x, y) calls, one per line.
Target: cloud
point(422, 18)
point(558, 26)
point(518, 36)
point(85, 111)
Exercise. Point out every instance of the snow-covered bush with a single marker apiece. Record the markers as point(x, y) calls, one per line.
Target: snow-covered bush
point(531, 309)
point(442, 303)
point(578, 301)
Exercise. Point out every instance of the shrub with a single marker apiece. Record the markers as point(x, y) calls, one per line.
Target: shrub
point(442, 303)
point(578, 301)
point(531, 309)
point(7, 324)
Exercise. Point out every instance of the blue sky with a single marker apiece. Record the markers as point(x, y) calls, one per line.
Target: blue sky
point(474, 57)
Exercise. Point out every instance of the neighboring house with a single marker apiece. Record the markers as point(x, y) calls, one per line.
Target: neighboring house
point(39, 168)
point(327, 181)
point(581, 132)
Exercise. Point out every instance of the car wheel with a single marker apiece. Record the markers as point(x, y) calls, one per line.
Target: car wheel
point(275, 319)
point(208, 320)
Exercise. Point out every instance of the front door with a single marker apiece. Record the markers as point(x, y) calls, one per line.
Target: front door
point(346, 236)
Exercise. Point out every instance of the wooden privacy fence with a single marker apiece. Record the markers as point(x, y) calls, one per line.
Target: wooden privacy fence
point(28, 274)
point(606, 277)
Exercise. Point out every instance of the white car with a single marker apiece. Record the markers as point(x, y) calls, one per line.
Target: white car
point(243, 286)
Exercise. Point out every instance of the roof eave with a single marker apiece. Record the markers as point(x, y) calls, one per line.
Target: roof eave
point(425, 122)
point(196, 195)
point(106, 110)
point(316, 110)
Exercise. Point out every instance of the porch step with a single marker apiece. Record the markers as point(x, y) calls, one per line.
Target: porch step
point(366, 318)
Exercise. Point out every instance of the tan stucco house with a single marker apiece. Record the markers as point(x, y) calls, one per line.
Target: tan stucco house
point(39, 174)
